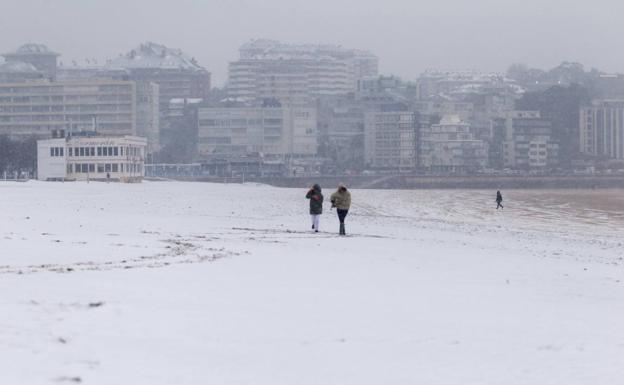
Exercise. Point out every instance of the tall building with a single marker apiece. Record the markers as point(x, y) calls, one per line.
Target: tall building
point(391, 140)
point(148, 114)
point(42, 108)
point(602, 129)
point(231, 132)
point(526, 141)
point(451, 146)
point(177, 75)
point(296, 74)
point(37, 55)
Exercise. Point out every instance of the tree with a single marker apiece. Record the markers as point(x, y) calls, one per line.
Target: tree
point(561, 105)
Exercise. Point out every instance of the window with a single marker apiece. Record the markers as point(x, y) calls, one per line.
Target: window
point(91, 167)
point(115, 167)
point(99, 151)
point(105, 151)
point(107, 167)
point(100, 167)
point(51, 151)
point(92, 151)
point(70, 151)
point(116, 151)
point(82, 152)
point(61, 150)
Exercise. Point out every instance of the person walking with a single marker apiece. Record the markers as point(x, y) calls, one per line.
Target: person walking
point(499, 200)
point(316, 205)
point(341, 200)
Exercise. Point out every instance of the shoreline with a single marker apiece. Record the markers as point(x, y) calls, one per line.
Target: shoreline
point(413, 182)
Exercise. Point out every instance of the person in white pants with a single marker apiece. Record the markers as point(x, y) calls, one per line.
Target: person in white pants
point(316, 205)
point(316, 219)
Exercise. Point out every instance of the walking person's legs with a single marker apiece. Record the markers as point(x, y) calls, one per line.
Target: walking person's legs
point(312, 217)
point(315, 222)
point(341, 217)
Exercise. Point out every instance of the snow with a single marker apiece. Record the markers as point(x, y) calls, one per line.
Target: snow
point(153, 55)
point(191, 283)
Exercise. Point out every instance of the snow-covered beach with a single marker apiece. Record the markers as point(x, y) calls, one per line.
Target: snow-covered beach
point(191, 283)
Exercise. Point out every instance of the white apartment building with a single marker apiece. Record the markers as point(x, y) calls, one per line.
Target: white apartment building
point(602, 129)
point(390, 140)
point(451, 146)
point(91, 158)
point(239, 131)
point(40, 108)
point(296, 74)
point(110, 107)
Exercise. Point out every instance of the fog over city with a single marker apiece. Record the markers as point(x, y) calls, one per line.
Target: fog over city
point(408, 36)
point(318, 192)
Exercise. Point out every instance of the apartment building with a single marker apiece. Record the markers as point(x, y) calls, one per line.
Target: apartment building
point(41, 108)
point(243, 130)
point(526, 141)
point(602, 129)
point(296, 74)
point(451, 146)
point(177, 74)
point(391, 140)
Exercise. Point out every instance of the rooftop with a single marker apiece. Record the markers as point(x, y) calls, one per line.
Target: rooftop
point(273, 49)
point(153, 55)
point(17, 67)
point(33, 48)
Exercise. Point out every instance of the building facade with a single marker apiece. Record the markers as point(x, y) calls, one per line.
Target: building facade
point(526, 141)
point(239, 131)
point(296, 74)
point(148, 114)
point(602, 129)
point(451, 146)
point(91, 158)
point(176, 74)
point(391, 140)
point(41, 108)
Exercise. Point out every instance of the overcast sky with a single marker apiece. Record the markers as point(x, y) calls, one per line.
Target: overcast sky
point(409, 36)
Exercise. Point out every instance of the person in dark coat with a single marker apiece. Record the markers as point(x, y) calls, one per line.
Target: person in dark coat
point(316, 205)
point(499, 200)
point(341, 200)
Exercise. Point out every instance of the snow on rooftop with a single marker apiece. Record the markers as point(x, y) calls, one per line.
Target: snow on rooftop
point(451, 120)
point(153, 55)
point(33, 48)
point(17, 67)
point(273, 49)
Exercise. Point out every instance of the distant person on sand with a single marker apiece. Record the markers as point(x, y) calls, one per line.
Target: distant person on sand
point(316, 205)
point(499, 200)
point(341, 200)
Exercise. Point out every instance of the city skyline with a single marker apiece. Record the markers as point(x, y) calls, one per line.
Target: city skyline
point(446, 35)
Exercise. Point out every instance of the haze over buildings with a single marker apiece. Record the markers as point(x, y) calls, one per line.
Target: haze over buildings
point(319, 105)
point(410, 36)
